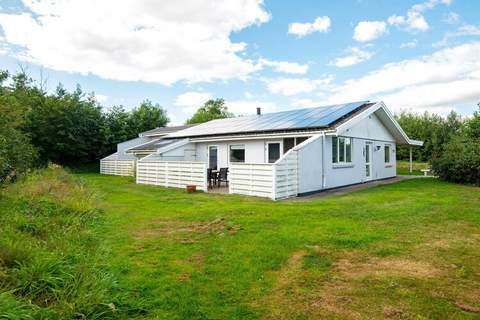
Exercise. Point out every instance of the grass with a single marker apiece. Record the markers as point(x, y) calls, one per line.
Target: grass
point(407, 250)
point(403, 167)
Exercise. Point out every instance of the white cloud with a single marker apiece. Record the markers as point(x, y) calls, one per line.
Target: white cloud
point(285, 67)
point(451, 18)
point(245, 107)
point(354, 56)
point(293, 86)
point(248, 95)
point(321, 24)
point(153, 41)
point(465, 30)
point(101, 97)
point(369, 30)
point(414, 20)
point(306, 103)
point(441, 80)
point(192, 100)
point(410, 44)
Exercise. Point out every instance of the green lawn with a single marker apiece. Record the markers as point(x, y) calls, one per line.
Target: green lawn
point(409, 250)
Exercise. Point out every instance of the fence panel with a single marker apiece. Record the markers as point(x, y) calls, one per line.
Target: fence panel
point(253, 179)
point(117, 167)
point(286, 175)
point(176, 174)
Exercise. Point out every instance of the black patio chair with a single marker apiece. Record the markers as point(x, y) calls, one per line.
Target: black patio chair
point(223, 177)
point(212, 177)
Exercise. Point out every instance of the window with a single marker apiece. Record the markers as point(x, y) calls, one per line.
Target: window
point(288, 143)
point(341, 150)
point(300, 140)
point(387, 153)
point(212, 157)
point(273, 152)
point(237, 153)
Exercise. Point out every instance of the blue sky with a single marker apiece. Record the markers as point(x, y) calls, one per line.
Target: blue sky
point(279, 55)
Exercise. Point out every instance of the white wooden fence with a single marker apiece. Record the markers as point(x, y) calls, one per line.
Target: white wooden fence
point(286, 175)
point(117, 167)
point(177, 174)
point(253, 179)
point(272, 180)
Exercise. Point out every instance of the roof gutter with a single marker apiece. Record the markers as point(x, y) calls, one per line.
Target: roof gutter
point(261, 136)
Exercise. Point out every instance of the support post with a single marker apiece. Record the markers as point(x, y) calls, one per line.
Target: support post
point(411, 164)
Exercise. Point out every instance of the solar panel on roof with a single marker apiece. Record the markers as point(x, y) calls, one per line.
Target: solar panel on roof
point(286, 120)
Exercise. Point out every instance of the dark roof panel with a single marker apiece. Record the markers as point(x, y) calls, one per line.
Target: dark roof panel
point(320, 117)
point(153, 145)
point(165, 130)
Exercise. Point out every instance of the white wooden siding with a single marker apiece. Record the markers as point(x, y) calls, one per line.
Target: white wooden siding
point(252, 179)
point(117, 167)
point(286, 175)
point(177, 174)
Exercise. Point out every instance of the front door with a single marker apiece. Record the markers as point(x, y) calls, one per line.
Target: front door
point(368, 160)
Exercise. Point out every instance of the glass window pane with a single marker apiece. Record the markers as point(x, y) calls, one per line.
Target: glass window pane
point(237, 153)
point(334, 149)
point(301, 139)
point(348, 150)
point(212, 158)
point(273, 152)
point(288, 143)
point(387, 154)
point(341, 149)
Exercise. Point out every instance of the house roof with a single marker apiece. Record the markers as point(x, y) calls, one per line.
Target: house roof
point(300, 119)
point(153, 145)
point(162, 131)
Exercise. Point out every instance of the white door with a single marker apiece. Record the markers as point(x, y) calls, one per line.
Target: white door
point(368, 153)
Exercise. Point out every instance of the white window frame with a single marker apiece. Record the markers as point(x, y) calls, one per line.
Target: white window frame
point(344, 162)
point(245, 152)
point(389, 154)
point(208, 154)
point(268, 149)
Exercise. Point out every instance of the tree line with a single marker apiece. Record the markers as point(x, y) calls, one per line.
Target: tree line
point(62, 127)
point(451, 144)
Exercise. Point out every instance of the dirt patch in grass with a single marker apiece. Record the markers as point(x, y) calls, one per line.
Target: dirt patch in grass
point(383, 267)
point(187, 232)
point(339, 291)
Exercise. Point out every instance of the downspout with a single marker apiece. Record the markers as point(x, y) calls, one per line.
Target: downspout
point(323, 160)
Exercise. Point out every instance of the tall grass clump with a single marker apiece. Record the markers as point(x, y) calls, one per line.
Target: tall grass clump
point(52, 261)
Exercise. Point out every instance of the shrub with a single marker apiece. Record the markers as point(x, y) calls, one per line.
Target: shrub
point(460, 162)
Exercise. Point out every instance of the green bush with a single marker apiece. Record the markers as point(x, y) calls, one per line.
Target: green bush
point(460, 162)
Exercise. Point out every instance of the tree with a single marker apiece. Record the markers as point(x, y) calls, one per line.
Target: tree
point(432, 129)
point(460, 162)
point(67, 127)
point(147, 116)
point(473, 125)
point(117, 128)
point(212, 109)
point(17, 155)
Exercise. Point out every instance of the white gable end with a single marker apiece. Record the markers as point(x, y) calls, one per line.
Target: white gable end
point(368, 128)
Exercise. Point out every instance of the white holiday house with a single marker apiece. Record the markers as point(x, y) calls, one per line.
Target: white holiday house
point(282, 154)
